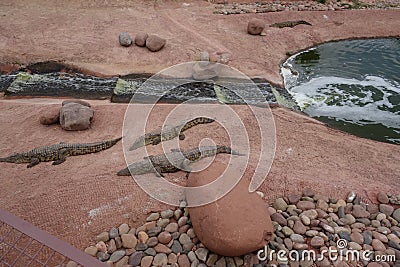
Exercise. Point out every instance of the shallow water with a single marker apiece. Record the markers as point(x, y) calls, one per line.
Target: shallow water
point(352, 85)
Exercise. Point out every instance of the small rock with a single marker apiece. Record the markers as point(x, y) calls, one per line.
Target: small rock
point(177, 214)
point(172, 227)
point(317, 242)
point(166, 214)
point(136, 258)
point(92, 251)
point(308, 192)
point(111, 246)
point(299, 228)
point(123, 229)
point(351, 196)
point(293, 198)
point(192, 256)
point(355, 246)
point(140, 39)
point(51, 117)
point(386, 209)
point(125, 39)
point(201, 254)
point(255, 26)
point(383, 198)
point(122, 262)
point(367, 237)
point(380, 237)
point(102, 256)
point(360, 212)
point(104, 236)
point(162, 222)
point(172, 258)
point(221, 262)
point(128, 240)
point(160, 259)
point(176, 247)
point(117, 255)
point(182, 221)
point(278, 217)
point(146, 261)
point(297, 238)
point(280, 204)
point(164, 237)
point(101, 246)
point(378, 245)
point(212, 259)
point(396, 215)
point(155, 43)
point(287, 231)
point(141, 247)
point(161, 248)
point(154, 231)
point(183, 261)
point(305, 205)
point(113, 233)
point(143, 237)
point(357, 237)
point(153, 217)
point(305, 220)
point(152, 241)
point(150, 252)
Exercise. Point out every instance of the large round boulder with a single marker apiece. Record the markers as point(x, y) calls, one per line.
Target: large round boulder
point(237, 223)
point(155, 43)
point(255, 26)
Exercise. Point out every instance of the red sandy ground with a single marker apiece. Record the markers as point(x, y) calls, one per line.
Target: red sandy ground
point(82, 197)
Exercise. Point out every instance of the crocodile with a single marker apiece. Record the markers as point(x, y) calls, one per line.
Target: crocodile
point(58, 153)
point(290, 24)
point(159, 135)
point(174, 161)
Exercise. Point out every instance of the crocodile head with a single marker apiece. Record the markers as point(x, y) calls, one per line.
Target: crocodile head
point(17, 158)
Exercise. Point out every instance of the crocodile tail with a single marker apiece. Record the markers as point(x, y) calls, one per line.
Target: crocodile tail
point(228, 150)
point(195, 121)
point(114, 141)
point(124, 172)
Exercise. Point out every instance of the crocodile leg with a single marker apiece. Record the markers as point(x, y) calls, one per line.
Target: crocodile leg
point(34, 162)
point(61, 157)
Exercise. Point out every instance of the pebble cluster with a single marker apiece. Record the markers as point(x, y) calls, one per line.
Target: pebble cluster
point(305, 221)
point(276, 6)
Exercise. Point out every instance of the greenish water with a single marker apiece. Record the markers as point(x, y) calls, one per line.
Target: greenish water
point(352, 85)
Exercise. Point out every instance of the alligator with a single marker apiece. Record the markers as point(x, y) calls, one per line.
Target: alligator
point(58, 153)
point(174, 161)
point(159, 135)
point(290, 24)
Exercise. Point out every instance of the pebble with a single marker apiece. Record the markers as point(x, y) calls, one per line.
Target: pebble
point(152, 241)
point(383, 198)
point(153, 217)
point(378, 245)
point(177, 214)
point(201, 254)
point(312, 214)
point(221, 262)
point(305, 219)
point(136, 258)
point(183, 261)
point(297, 238)
point(176, 247)
point(117, 255)
point(101, 246)
point(150, 252)
point(140, 39)
point(155, 43)
point(92, 251)
point(129, 240)
point(280, 204)
point(386, 209)
point(146, 261)
point(360, 212)
point(172, 258)
point(317, 242)
point(154, 231)
point(380, 237)
point(162, 222)
point(351, 196)
point(357, 238)
point(212, 259)
point(113, 232)
point(104, 236)
point(160, 259)
point(293, 198)
point(125, 39)
point(161, 248)
point(278, 217)
point(299, 228)
point(172, 227)
point(305, 205)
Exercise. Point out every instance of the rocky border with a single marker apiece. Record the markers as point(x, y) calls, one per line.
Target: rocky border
point(306, 221)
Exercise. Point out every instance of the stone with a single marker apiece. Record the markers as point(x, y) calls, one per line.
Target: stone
point(380, 237)
point(129, 240)
point(378, 245)
point(172, 227)
point(322, 204)
point(355, 246)
point(141, 247)
point(359, 212)
point(297, 238)
point(202, 71)
point(305, 205)
point(122, 262)
point(221, 262)
point(50, 117)
point(155, 43)
point(255, 26)
point(212, 259)
point(102, 256)
point(357, 238)
point(117, 255)
point(386, 209)
point(191, 233)
point(111, 246)
point(143, 237)
point(160, 259)
point(182, 221)
point(154, 231)
point(177, 214)
point(396, 215)
point(152, 241)
point(351, 196)
point(140, 39)
point(161, 248)
point(124, 39)
point(146, 261)
point(238, 261)
point(136, 258)
point(176, 247)
point(172, 258)
point(293, 198)
point(287, 231)
point(92, 251)
point(305, 220)
point(278, 217)
point(299, 228)
point(166, 214)
point(104, 236)
point(75, 117)
point(280, 204)
point(317, 242)
point(383, 198)
point(153, 217)
point(164, 237)
point(183, 261)
point(162, 222)
point(150, 252)
point(348, 219)
point(118, 241)
point(192, 256)
point(367, 237)
point(239, 212)
point(113, 232)
point(201, 254)
point(77, 101)
point(101, 246)
point(71, 264)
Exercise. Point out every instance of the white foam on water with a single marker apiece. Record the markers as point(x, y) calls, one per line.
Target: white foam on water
point(314, 96)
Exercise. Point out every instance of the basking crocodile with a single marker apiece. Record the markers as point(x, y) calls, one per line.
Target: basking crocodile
point(58, 153)
point(157, 136)
point(174, 161)
point(290, 24)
